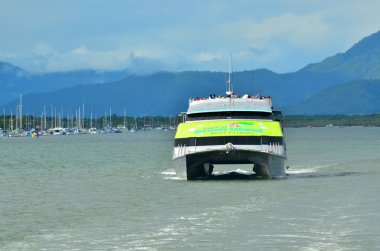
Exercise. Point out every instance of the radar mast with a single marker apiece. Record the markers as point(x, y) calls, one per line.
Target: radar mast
point(229, 90)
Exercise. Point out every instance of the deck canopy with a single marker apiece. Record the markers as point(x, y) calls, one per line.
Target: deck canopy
point(230, 104)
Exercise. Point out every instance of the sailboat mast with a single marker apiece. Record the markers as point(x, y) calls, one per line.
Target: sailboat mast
point(11, 125)
point(20, 112)
point(55, 117)
point(110, 118)
point(83, 115)
point(44, 123)
point(124, 118)
point(78, 118)
point(91, 119)
point(4, 118)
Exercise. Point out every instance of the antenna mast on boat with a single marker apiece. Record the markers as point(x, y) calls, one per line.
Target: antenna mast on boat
point(252, 77)
point(229, 82)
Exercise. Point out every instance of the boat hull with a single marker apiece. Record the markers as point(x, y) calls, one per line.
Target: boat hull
point(200, 164)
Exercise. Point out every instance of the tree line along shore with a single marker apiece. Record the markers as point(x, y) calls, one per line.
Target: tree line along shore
point(368, 120)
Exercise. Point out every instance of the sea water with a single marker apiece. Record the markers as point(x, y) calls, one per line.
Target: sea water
point(119, 192)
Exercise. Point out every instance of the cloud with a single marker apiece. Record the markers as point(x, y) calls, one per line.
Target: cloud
point(179, 35)
point(352, 21)
point(47, 59)
point(207, 56)
point(43, 49)
point(80, 50)
point(304, 31)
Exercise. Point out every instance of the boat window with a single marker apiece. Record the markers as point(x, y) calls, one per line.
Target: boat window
point(229, 115)
point(277, 116)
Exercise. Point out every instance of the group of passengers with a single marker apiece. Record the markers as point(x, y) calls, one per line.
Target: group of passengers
point(213, 96)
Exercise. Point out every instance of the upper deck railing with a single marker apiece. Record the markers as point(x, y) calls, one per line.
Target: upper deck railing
point(234, 103)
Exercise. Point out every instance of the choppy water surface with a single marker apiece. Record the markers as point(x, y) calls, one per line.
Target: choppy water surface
point(119, 192)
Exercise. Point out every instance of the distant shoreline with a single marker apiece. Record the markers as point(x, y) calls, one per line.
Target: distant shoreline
point(294, 121)
point(289, 121)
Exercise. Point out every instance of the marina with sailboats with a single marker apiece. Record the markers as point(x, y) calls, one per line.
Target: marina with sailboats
point(77, 121)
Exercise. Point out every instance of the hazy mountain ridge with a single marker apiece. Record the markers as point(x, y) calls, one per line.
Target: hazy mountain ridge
point(361, 61)
point(14, 80)
point(301, 92)
point(356, 97)
point(167, 93)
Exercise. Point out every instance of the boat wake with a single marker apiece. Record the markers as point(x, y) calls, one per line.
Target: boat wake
point(183, 230)
point(236, 174)
point(169, 174)
point(318, 171)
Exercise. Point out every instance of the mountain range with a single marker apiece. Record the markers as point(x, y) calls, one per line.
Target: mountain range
point(15, 80)
point(346, 83)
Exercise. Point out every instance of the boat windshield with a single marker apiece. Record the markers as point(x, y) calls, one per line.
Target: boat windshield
point(229, 115)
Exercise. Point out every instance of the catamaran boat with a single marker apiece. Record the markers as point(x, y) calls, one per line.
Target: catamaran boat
point(230, 130)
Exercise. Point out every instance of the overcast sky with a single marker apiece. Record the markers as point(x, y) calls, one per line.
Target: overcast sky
point(176, 35)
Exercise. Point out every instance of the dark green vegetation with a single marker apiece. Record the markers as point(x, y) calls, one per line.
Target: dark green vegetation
point(322, 121)
point(347, 83)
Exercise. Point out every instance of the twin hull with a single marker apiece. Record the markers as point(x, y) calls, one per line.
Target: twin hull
point(201, 144)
